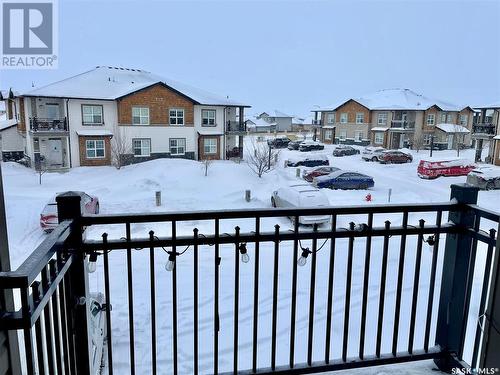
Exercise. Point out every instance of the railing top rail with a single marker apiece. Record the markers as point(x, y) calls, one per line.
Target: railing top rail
point(485, 213)
point(27, 272)
point(275, 212)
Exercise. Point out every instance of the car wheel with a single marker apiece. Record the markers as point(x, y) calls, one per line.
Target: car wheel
point(374, 159)
point(490, 185)
point(273, 202)
point(97, 208)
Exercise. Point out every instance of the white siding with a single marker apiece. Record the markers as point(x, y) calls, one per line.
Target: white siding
point(11, 140)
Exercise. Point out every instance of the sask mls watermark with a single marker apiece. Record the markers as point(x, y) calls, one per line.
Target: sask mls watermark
point(29, 34)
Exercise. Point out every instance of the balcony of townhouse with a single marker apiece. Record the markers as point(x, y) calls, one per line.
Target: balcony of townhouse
point(483, 130)
point(317, 122)
point(49, 125)
point(235, 127)
point(403, 125)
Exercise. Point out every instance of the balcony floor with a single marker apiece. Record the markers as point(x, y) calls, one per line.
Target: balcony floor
point(413, 368)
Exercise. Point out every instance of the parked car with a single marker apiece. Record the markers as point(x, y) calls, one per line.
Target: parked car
point(294, 145)
point(344, 180)
point(97, 328)
point(372, 153)
point(394, 156)
point(344, 150)
point(310, 146)
point(48, 217)
point(318, 171)
point(235, 152)
point(309, 161)
point(299, 196)
point(281, 142)
point(486, 178)
point(430, 169)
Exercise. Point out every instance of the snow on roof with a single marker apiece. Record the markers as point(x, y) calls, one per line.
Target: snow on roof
point(452, 128)
point(328, 126)
point(396, 99)
point(110, 83)
point(496, 137)
point(5, 124)
point(379, 129)
point(94, 132)
point(210, 132)
point(259, 122)
point(275, 113)
point(495, 105)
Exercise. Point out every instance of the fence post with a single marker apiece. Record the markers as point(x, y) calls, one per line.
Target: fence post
point(69, 206)
point(457, 254)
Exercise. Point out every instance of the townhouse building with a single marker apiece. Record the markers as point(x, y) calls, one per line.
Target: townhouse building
point(109, 112)
point(395, 118)
point(486, 132)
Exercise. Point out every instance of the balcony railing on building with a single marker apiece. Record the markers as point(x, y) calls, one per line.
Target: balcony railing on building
point(403, 124)
point(236, 127)
point(483, 128)
point(316, 122)
point(38, 124)
point(370, 292)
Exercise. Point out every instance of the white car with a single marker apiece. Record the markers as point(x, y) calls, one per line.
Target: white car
point(372, 153)
point(485, 178)
point(301, 196)
point(97, 328)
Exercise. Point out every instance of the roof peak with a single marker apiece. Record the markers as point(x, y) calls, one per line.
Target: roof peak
point(120, 68)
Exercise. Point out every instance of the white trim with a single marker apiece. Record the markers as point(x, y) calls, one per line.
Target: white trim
point(95, 149)
point(140, 116)
point(142, 147)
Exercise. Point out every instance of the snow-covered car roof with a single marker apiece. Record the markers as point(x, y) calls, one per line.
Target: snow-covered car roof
point(297, 158)
point(338, 173)
point(374, 148)
point(309, 142)
point(343, 146)
point(452, 162)
point(489, 172)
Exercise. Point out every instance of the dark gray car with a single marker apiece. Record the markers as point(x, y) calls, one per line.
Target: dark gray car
point(485, 178)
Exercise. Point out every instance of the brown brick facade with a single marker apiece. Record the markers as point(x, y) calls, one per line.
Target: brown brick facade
point(21, 124)
point(201, 148)
point(159, 99)
point(86, 162)
point(352, 107)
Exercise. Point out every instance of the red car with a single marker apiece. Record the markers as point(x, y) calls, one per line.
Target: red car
point(318, 171)
point(394, 156)
point(48, 217)
point(434, 169)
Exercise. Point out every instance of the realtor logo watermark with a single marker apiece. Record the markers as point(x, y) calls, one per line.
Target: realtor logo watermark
point(29, 34)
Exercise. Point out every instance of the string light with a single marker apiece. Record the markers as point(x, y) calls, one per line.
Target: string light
point(303, 258)
point(171, 261)
point(92, 264)
point(245, 258)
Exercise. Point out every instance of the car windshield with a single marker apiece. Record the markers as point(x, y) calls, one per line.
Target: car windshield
point(50, 208)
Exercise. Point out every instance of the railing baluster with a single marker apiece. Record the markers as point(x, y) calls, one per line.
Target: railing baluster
point(416, 283)
point(130, 301)
point(69, 306)
point(195, 301)
point(174, 299)
point(383, 276)
point(56, 320)
point(109, 332)
point(35, 289)
point(275, 297)
point(153, 301)
point(47, 323)
point(312, 290)
point(366, 279)
point(236, 298)
point(430, 298)
point(470, 280)
point(293, 307)
point(347, 306)
point(329, 306)
point(484, 295)
point(399, 288)
point(256, 296)
point(216, 298)
point(64, 318)
point(28, 334)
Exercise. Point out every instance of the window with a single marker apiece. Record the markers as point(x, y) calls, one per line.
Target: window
point(142, 147)
point(210, 146)
point(379, 138)
point(92, 114)
point(52, 111)
point(343, 118)
point(176, 116)
point(330, 118)
point(94, 148)
point(463, 120)
point(448, 118)
point(360, 118)
point(382, 119)
point(443, 117)
point(177, 146)
point(427, 139)
point(358, 136)
point(328, 134)
point(430, 119)
point(342, 135)
point(208, 117)
point(140, 115)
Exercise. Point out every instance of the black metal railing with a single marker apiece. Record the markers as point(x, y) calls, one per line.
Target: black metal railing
point(316, 122)
point(483, 129)
point(358, 270)
point(236, 126)
point(48, 125)
point(402, 124)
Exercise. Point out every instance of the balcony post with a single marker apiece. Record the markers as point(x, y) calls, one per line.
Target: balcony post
point(69, 208)
point(457, 255)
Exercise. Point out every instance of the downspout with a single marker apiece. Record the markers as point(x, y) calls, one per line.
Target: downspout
point(224, 157)
point(69, 134)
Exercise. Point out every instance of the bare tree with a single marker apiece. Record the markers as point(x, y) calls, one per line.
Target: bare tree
point(120, 147)
point(206, 165)
point(261, 158)
point(41, 168)
point(418, 143)
point(459, 137)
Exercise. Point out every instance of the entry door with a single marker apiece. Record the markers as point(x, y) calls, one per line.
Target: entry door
point(54, 152)
point(450, 142)
point(52, 111)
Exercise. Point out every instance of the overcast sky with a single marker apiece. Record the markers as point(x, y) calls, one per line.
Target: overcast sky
point(287, 55)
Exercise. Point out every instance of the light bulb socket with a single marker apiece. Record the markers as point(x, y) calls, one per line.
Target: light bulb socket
point(243, 248)
point(171, 256)
point(305, 253)
point(93, 257)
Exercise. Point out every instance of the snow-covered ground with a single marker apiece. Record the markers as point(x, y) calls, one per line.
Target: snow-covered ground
point(185, 188)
